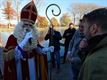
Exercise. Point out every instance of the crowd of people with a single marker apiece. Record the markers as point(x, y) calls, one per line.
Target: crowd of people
point(23, 58)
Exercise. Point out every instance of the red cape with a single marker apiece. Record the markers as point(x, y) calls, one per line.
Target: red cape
point(10, 65)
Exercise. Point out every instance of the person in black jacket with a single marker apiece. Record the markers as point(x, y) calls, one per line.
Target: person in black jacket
point(68, 34)
point(54, 40)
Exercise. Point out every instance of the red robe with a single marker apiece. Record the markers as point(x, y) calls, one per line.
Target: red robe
point(10, 65)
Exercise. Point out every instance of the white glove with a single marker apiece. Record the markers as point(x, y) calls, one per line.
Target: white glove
point(45, 49)
point(51, 48)
point(26, 39)
point(48, 49)
point(17, 54)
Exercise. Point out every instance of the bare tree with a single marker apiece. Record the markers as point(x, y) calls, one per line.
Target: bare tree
point(9, 12)
point(39, 3)
point(17, 8)
point(1, 1)
point(79, 9)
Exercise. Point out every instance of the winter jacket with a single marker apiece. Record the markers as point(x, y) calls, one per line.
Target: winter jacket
point(95, 65)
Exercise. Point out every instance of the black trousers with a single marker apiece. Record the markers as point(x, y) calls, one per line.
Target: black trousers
point(65, 54)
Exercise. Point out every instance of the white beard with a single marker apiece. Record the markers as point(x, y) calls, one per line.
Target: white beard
point(20, 34)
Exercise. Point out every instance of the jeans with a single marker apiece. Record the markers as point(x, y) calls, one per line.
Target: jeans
point(55, 58)
point(75, 70)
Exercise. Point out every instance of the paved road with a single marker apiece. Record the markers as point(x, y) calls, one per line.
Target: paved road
point(64, 74)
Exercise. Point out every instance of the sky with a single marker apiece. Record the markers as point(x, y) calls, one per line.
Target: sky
point(63, 4)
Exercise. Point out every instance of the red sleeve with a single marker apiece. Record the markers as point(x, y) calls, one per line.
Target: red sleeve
point(10, 65)
point(11, 42)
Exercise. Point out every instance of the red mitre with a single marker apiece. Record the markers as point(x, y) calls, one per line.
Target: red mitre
point(29, 13)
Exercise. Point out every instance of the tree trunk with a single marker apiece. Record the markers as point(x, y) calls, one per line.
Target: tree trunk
point(9, 24)
point(73, 18)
